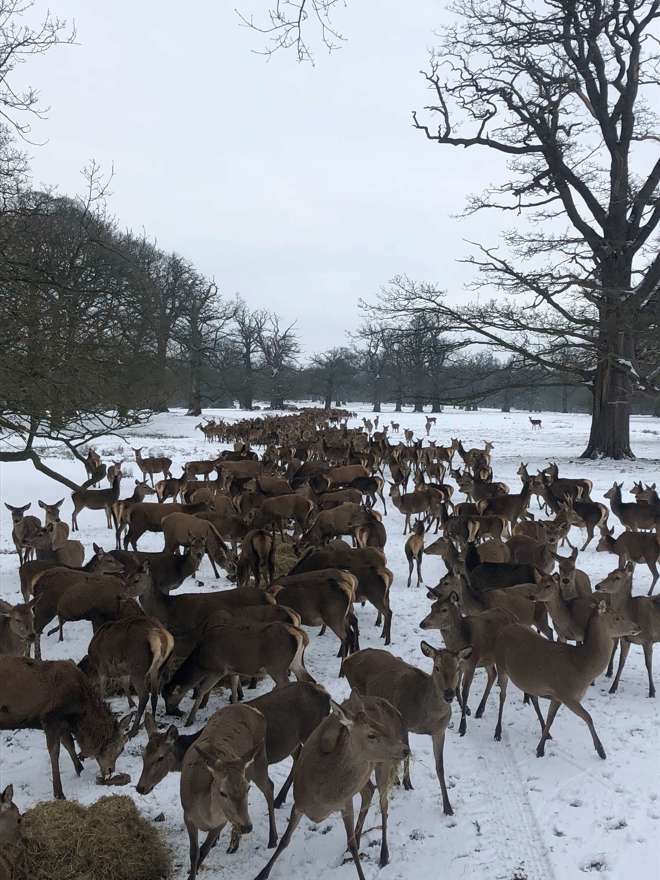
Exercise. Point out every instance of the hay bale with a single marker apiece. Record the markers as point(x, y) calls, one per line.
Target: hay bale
point(108, 840)
point(285, 556)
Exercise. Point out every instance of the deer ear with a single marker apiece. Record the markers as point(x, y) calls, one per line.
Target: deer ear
point(428, 650)
point(454, 598)
point(149, 724)
point(41, 504)
point(574, 554)
point(7, 795)
point(126, 722)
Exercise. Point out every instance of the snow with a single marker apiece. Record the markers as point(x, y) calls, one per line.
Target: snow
point(516, 816)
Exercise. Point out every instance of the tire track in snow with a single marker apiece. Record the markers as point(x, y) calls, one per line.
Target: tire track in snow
point(514, 848)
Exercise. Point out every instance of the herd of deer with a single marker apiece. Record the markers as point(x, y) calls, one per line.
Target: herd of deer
point(500, 606)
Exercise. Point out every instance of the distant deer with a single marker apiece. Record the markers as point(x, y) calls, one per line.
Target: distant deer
point(113, 471)
point(536, 424)
point(92, 462)
point(95, 499)
point(414, 548)
point(396, 427)
point(430, 422)
point(152, 465)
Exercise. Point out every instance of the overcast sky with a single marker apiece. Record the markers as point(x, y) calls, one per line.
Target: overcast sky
point(302, 188)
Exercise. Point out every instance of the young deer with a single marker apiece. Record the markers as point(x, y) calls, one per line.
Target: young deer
point(414, 549)
point(23, 530)
point(536, 424)
point(95, 499)
point(335, 764)
point(558, 671)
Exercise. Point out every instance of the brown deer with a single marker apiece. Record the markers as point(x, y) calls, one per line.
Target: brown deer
point(335, 764)
point(121, 507)
point(558, 671)
point(509, 507)
point(114, 471)
point(180, 528)
point(153, 465)
point(633, 547)
point(419, 501)
point(277, 511)
point(92, 462)
point(291, 714)
point(372, 533)
point(631, 515)
point(52, 511)
point(644, 611)
point(322, 598)
point(430, 422)
point(536, 424)
point(588, 515)
point(49, 546)
point(414, 549)
point(95, 499)
point(134, 650)
point(16, 629)
point(257, 556)
point(10, 833)
point(214, 781)
point(423, 699)
point(23, 530)
point(56, 697)
point(573, 581)
point(479, 631)
point(168, 570)
point(146, 516)
point(238, 648)
point(338, 521)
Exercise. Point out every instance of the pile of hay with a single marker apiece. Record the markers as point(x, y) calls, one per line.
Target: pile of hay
point(285, 556)
point(108, 840)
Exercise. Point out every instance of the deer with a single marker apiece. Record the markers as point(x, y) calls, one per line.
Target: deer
point(257, 556)
point(214, 781)
point(510, 507)
point(558, 671)
point(590, 515)
point(49, 546)
point(168, 570)
point(395, 426)
point(114, 471)
point(322, 598)
point(121, 507)
point(92, 463)
point(56, 697)
point(134, 649)
point(10, 833)
point(643, 610)
point(419, 501)
point(146, 516)
point(100, 563)
point(536, 424)
point(372, 532)
point(24, 528)
point(430, 422)
point(153, 465)
point(423, 699)
point(479, 631)
point(633, 547)
point(291, 712)
point(16, 629)
point(52, 511)
point(279, 510)
point(238, 648)
point(336, 763)
point(573, 581)
point(95, 499)
point(368, 565)
point(632, 516)
point(414, 548)
point(180, 528)
point(329, 524)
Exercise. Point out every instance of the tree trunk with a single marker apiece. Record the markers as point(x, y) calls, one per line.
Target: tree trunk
point(419, 405)
point(564, 398)
point(612, 389)
point(398, 405)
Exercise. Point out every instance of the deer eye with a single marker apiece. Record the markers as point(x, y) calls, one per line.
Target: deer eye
point(371, 736)
point(223, 793)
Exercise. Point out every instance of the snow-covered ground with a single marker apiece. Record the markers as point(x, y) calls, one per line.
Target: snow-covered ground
point(516, 816)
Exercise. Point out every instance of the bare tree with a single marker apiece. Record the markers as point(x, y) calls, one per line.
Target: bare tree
point(286, 23)
point(280, 350)
point(332, 370)
point(247, 326)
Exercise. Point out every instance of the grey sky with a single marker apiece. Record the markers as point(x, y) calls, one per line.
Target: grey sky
point(301, 188)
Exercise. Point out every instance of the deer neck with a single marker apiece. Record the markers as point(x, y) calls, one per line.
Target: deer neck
point(596, 648)
point(456, 634)
point(560, 613)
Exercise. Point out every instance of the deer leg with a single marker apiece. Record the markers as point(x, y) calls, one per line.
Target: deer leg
point(67, 741)
point(258, 772)
point(366, 796)
point(294, 821)
point(387, 626)
point(420, 580)
point(193, 837)
point(552, 711)
point(349, 824)
point(648, 660)
point(281, 796)
point(656, 574)
point(582, 713)
point(491, 672)
point(142, 705)
point(539, 715)
point(407, 784)
point(382, 781)
point(590, 537)
point(624, 649)
point(438, 740)
point(53, 734)
point(213, 566)
point(202, 690)
point(468, 675)
point(610, 665)
point(108, 517)
point(410, 571)
point(502, 680)
point(74, 520)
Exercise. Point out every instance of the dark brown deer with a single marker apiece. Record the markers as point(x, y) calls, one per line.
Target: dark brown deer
point(56, 697)
point(23, 530)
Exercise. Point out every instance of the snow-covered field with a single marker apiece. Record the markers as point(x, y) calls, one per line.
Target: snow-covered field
point(516, 816)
